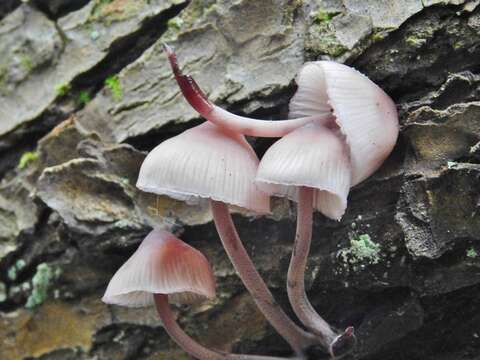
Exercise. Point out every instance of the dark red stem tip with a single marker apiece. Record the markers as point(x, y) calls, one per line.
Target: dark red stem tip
point(349, 331)
point(344, 343)
point(190, 89)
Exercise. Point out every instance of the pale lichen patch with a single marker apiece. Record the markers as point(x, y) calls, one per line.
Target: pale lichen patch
point(41, 284)
point(12, 272)
point(361, 252)
point(471, 253)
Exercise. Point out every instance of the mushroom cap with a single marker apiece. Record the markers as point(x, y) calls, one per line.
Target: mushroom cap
point(162, 264)
point(205, 162)
point(366, 115)
point(314, 156)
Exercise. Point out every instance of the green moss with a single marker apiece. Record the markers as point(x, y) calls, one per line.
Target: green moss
point(62, 89)
point(323, 40)
point(378, 35)
point(84, 97)
point(27, 158)
point(471, 253)
point(41, 283)
point(26, 62)
point(113, 83)
point(175, 23)
point(362, 250)
point(323, 16)
point(415, 41)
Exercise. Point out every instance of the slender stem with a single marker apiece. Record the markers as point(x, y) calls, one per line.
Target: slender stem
point(190, 345)
point(240, 124)
point(337, 344)
point(296, 271)
point(178, 335)
point(298, 339)
point(261, 128)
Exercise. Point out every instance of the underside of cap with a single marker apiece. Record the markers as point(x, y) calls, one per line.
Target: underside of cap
point(311, 98)
point(365, 114)
point(312, 156)
point(163, 264)
point(205, 162)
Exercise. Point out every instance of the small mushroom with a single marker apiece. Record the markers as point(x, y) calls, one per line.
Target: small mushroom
point(318, 163)
point(364, 113)
point(164, 265)
point(313, 156)
point(205, 162)
point(214, 163)
point(164, 269)
point(310, 165)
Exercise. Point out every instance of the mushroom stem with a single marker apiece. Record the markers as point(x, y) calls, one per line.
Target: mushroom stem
point(178, 335)
point(298, 339)
point(337, 344)
point(190, 345)
point(240, 124)
point(296, 271)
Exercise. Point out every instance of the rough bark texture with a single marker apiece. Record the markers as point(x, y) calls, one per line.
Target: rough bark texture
point(85, 90)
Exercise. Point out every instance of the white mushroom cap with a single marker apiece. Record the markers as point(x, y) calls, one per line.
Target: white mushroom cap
point(205, 162)
point(314, 156)
point(365, 114)
point(162, 264)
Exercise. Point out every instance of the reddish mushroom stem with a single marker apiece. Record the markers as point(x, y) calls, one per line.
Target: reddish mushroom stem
point(296, 271)
point(190, 345)
point(337, 344)
point(240, 124)
point(298, 339)
point(178, 335)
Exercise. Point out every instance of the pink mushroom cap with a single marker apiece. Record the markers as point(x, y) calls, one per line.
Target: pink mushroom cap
point(162, 264)
point(366, 115)
point(314, 156)
point(205, 162)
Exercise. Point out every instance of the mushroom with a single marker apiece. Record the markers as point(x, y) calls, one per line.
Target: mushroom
point(209, 162)
point(341, 107)
point(310, 165)
point(165, 268)
point(364, 113)
point(318, 163)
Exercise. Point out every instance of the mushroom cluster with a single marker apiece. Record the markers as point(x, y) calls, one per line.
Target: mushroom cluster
point(341, 128)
